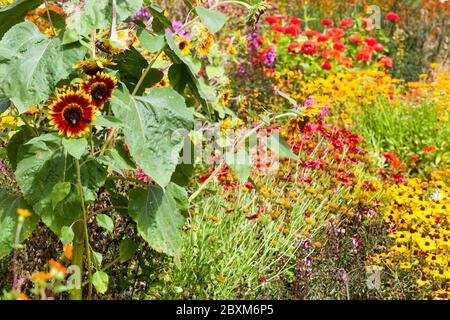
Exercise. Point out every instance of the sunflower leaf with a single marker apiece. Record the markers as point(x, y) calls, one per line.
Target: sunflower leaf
point(156, 127)
point(31, 64)
point(212, 19)
point(43, 164)
point(158, 219)
point(15, 13)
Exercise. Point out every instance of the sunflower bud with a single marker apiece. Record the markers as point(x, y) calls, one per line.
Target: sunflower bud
point(255, 13)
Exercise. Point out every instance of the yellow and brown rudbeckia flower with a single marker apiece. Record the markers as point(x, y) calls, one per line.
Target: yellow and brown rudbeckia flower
point(71, 113)
point(184, 46)
point(99, 88)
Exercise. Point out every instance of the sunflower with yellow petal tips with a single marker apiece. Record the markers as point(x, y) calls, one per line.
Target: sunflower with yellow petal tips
point(99, 88)
point(71, 113)
point(93, 65)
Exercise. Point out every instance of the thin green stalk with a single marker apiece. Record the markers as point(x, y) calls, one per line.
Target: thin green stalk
point(85, 226)
point(77, 260)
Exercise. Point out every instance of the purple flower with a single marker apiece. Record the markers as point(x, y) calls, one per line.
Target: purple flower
point(143, 14)
point(270, 57)
point(176, 25)
point(309, 102)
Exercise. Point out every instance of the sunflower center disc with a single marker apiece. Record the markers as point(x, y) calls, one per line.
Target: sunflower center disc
point(99, 91)
point(72, 114)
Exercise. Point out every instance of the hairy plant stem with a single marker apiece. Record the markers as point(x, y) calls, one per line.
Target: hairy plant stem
point(82, 240)
point(114, 21)
point(14, 260)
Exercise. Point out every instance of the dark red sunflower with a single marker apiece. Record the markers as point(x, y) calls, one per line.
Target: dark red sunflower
point(71, 113)
point(99, 88)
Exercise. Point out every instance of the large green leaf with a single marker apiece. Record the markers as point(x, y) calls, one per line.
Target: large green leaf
point(15, 12)
point(156, 124)
point(45, 172)
point(25, 134)
point(212, 19)
point(150, 42)
point(84, 17)
point(158, 220)
point(31, 64)
point(9, 204)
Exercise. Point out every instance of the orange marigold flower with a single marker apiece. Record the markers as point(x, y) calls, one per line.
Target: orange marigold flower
point(42, 276)
point(22, 296)
point(58, 266)
point(68, 251)
point(429, 149)
point(221, 278)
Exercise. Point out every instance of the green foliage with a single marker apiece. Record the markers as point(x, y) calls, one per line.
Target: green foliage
point(105, 222)
point(156, 127)
point(31, 64)
point(9, 203)
point(15, 12)
point(213, 20)
point(43, 166)
point(406, 130)
point(158, 220)
point(127, 249)
point(87, 16)
point(101, 281)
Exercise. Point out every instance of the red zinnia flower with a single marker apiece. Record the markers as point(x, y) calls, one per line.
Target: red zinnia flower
point(379, 47)
point(386, 61)
point(335, 33)
point(309, 47)
point(322, 38)
point(346, 23)
point(366, 22)
point(326, 65)
point(294, 47)
point(327, 22)
point(311, 33)
point(392, 16)
point(363, 57)
point(370, 41)
point(354, 38)
point(271, 19)
point(293, 30)
point(429, 149)
point(276, 27)
point(339, 46)
point(295, 21)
